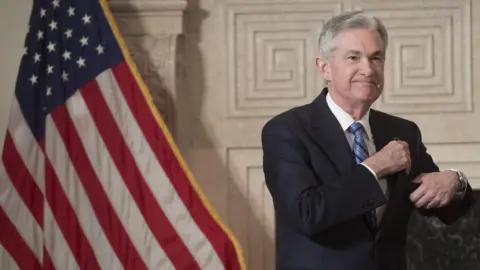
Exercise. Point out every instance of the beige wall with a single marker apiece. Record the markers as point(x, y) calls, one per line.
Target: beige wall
point(13, 26)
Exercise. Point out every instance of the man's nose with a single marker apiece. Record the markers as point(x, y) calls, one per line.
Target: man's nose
point(367, 68)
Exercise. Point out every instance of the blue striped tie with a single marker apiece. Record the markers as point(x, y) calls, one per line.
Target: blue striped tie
point(360, 152)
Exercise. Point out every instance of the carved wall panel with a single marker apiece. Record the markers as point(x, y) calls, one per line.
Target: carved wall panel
point(428, 68)
point(252, 220)
point(270, 48)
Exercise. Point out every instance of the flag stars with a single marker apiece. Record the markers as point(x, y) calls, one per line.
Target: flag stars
point(36, 58)
point(43, 13)
point(51, 47)
point(33, 79)
point(86, 19)
point(65, 76)
point(49, 91)
point(40, 35)
point(53, 25)
point(66, 55)
point(100, 49)
point(68, 33)
point(71, 11)
point(81, 62)
point(84, 41)
point(56, 3)
point(49, 69)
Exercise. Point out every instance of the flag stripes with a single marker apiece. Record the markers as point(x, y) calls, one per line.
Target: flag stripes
point(56, 244)
point(90, 177)
point(122, 200)
point(81, 189)
point(6, 259)
point(155, 177)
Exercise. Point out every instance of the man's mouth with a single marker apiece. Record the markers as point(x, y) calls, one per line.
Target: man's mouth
point(366, 82)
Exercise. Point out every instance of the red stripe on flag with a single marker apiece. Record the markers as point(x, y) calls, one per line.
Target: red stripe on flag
point(105, 213)
point(13, 242)
point(67, 220)
point(164, 153)
point(158, 223)
point(47, 261)
point(22, 179)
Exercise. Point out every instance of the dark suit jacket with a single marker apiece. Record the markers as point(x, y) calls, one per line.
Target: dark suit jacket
point(321, 195)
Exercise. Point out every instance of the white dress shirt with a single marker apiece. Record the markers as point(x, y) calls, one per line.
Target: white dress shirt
point(345, 121)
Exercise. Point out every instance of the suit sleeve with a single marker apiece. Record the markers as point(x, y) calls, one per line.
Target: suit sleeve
point(312, 204)
point(459, 206)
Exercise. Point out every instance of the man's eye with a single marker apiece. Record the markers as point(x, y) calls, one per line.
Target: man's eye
point(353, 57)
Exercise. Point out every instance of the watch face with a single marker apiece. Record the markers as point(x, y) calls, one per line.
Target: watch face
point(463, 180)
point(461, 176)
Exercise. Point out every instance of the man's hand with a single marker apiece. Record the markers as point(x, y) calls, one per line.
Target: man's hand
point(394, 157)
point(435, 190)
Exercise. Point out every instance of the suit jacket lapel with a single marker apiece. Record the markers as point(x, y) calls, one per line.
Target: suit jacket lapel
point(328, 134)
point(382, 134)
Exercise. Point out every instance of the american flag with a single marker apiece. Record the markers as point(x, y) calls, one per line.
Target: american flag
point(90, 176)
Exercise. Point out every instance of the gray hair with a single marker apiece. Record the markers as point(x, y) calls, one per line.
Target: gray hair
point(350, 20)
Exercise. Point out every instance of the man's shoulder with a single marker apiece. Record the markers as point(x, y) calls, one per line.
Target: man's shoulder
point(393, 120)
point(292, 117)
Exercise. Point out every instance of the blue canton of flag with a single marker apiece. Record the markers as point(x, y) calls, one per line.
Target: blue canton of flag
point(68, 44)
point(90, 177)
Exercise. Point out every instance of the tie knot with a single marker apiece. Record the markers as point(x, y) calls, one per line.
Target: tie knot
point(356, 128)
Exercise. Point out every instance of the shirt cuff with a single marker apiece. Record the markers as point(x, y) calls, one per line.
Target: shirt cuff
point(374, 174)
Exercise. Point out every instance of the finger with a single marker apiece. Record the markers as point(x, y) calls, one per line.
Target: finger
point(403, 144)
point(418, 193)
point(409, 164)
point(435, 202)
point(395, 145)
point(424, 200)
point(419, 178)
point(406, 161)
point(442, 203)
point(445, 201)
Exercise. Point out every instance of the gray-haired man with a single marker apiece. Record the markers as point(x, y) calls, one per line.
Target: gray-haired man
point(345, 178)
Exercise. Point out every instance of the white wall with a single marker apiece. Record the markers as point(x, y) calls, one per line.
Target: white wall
point(14, 15)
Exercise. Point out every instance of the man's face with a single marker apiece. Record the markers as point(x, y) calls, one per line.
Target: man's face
point(355, 69)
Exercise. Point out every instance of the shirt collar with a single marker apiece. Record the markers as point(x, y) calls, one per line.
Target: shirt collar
point(345, 119)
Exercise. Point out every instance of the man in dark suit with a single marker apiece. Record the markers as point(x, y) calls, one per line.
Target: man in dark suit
point(345, 178)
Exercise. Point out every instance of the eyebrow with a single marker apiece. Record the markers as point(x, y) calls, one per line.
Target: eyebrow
point(355, 52)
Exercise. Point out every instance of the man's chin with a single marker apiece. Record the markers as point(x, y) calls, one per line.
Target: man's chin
point(367, 90)
point(367, 93)
point(367, 87)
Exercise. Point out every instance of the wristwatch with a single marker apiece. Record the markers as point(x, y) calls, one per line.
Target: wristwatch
point(462, 179)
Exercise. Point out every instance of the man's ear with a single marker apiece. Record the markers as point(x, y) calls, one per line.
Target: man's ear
point(323, 67)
